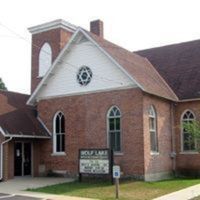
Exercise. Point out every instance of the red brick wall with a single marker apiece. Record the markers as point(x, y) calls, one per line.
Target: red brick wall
point(162, 162)
point(57, 38)
point(8, 160)
point(36, 156)
point(6, 167)
point(86, 128)
point(186, 161)
point(1, 140)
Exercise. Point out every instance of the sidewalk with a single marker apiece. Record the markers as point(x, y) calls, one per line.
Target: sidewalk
point(49, 196)
point(18, 186)
point(184, 194)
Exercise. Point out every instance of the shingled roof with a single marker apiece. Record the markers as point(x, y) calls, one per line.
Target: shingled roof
point(179, 65)
point(138, 67)
point(17, 119)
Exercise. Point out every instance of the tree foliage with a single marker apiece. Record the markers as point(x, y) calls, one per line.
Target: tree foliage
point(2, 85)
point(193, 128)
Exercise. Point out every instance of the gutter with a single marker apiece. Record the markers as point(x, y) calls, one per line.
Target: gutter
point(188, 100)
point(1, 156)
point(27, 136)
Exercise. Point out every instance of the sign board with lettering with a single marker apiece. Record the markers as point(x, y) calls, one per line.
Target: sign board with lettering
point(94, 161)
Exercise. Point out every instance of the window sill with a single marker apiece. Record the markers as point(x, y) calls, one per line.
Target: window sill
point(188, 152)
point(118, 154)
point(59, 154)
point(155, 153)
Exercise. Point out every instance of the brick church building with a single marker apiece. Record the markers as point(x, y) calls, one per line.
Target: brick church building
point(87, 92)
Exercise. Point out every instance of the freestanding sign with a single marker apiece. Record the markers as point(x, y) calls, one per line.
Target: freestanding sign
point(116, 171)
point(116, 176)
point(95, 162)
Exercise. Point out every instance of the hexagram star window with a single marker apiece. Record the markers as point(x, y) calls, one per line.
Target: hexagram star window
point(84, 75)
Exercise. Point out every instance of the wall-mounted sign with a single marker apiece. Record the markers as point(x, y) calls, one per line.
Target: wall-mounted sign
point(94, 161)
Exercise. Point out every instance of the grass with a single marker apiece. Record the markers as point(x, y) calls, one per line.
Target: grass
point(129, 190)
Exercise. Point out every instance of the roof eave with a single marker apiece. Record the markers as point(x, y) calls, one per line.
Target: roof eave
point(27, 136)
point(59, 23)
point(188, 100)
point(161, 96)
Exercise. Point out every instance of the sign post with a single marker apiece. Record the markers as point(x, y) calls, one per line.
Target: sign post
point(116, 176)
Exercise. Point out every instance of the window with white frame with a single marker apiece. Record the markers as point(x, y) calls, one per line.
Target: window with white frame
point(45, 59)
point(188, 141)
point(114, 128)
point(59, 133)
point(153, 129)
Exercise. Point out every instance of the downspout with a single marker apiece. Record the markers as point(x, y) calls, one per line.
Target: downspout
point(173, 153)
point(1, 156)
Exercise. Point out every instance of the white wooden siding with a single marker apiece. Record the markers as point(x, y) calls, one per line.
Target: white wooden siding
point(106, 75)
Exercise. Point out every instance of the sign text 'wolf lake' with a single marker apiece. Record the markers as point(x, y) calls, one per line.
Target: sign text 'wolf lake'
point(94, 161)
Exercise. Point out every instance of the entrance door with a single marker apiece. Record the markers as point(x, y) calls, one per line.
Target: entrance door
point(27, 159)
point(18, 159)
point(22, 158)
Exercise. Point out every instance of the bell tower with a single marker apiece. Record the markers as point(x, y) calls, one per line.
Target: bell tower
point(48, 39)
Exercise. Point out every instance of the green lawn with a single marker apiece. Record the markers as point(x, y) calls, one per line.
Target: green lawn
point(129, 190)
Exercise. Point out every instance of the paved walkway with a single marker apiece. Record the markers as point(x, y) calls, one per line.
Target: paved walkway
point(22, 183)
point(18, 185)
point(184, 194)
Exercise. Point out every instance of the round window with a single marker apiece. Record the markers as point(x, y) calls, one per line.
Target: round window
point(84, 75)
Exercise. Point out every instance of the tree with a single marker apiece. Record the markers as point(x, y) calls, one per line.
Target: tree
point(2, 85)
point(193, 128)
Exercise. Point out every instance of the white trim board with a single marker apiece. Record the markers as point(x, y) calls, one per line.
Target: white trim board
point(22, 136)
point(188, 100)
point(27, 136)
point(85, 93)
point(2, 131)
point(59, 23)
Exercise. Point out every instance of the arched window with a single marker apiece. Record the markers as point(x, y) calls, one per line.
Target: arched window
point(45, 59)
point(188, 142)
point(114, 128)
point(153, 129)
point(59, 133)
